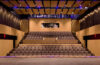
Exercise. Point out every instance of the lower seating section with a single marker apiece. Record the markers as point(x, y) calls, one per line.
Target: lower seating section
point(69, 50)
point(66, 38)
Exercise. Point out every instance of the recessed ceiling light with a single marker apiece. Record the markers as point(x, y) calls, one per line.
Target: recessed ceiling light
point(86, 7)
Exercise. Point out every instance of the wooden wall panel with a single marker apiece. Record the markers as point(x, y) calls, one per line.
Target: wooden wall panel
point(41, 11)
point(47, 11)
point(61, 3)
point(76, 11)
point(18, 11)
point(86, 3)
point(54, 3)
point(15, 3)
point(31, 4)
point(69, 3)
point(52, 11)
point(5, 46)
point(64, 11)
point(39, 3)
point(7, 3)
point(94, 3)
point(35, 11)
point(59, 11)
point(70, 11)
point(46, 3)
point(35, 25)
point(93, 45)
point(24, 11)
point(23, 4)
point(82, 12)
point(77, 4)
point(29, 11)
point(12, 31)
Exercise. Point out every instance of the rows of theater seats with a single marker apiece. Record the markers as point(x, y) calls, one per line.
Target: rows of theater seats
point(31, 50)
point(65, 37)
point(50, 33)
point(41, 35)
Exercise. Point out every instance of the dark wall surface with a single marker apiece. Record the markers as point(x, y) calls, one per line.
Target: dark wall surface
point(9, 19)
point(90, 21)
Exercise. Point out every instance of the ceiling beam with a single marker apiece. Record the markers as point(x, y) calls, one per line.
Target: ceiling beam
point(56, 7)
point(43, 7)
point(88, 11)
point(48, 7)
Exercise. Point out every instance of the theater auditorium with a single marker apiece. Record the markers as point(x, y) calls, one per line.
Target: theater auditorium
point(49, 32)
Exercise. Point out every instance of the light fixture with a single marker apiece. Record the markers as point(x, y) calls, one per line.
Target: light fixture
point(80, 7)
point(86, 7)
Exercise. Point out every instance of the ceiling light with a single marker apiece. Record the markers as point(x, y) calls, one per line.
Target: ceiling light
point(86, 7)
point(80, 7)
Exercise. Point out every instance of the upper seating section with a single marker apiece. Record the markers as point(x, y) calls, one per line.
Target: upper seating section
point(58, 35)
point(50, 34)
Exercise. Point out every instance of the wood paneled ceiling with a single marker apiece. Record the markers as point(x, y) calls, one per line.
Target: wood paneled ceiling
point(29, 7)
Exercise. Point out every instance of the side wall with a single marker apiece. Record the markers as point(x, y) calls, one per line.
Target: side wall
point(75, 25)
point(93, 45)
point(6, 45)
point(35, 25)
point(24, 25)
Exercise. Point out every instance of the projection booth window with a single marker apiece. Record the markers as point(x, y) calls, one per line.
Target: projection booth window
point(50, 25)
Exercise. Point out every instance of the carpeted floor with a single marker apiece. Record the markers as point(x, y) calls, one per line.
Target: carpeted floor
point(49, 61)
